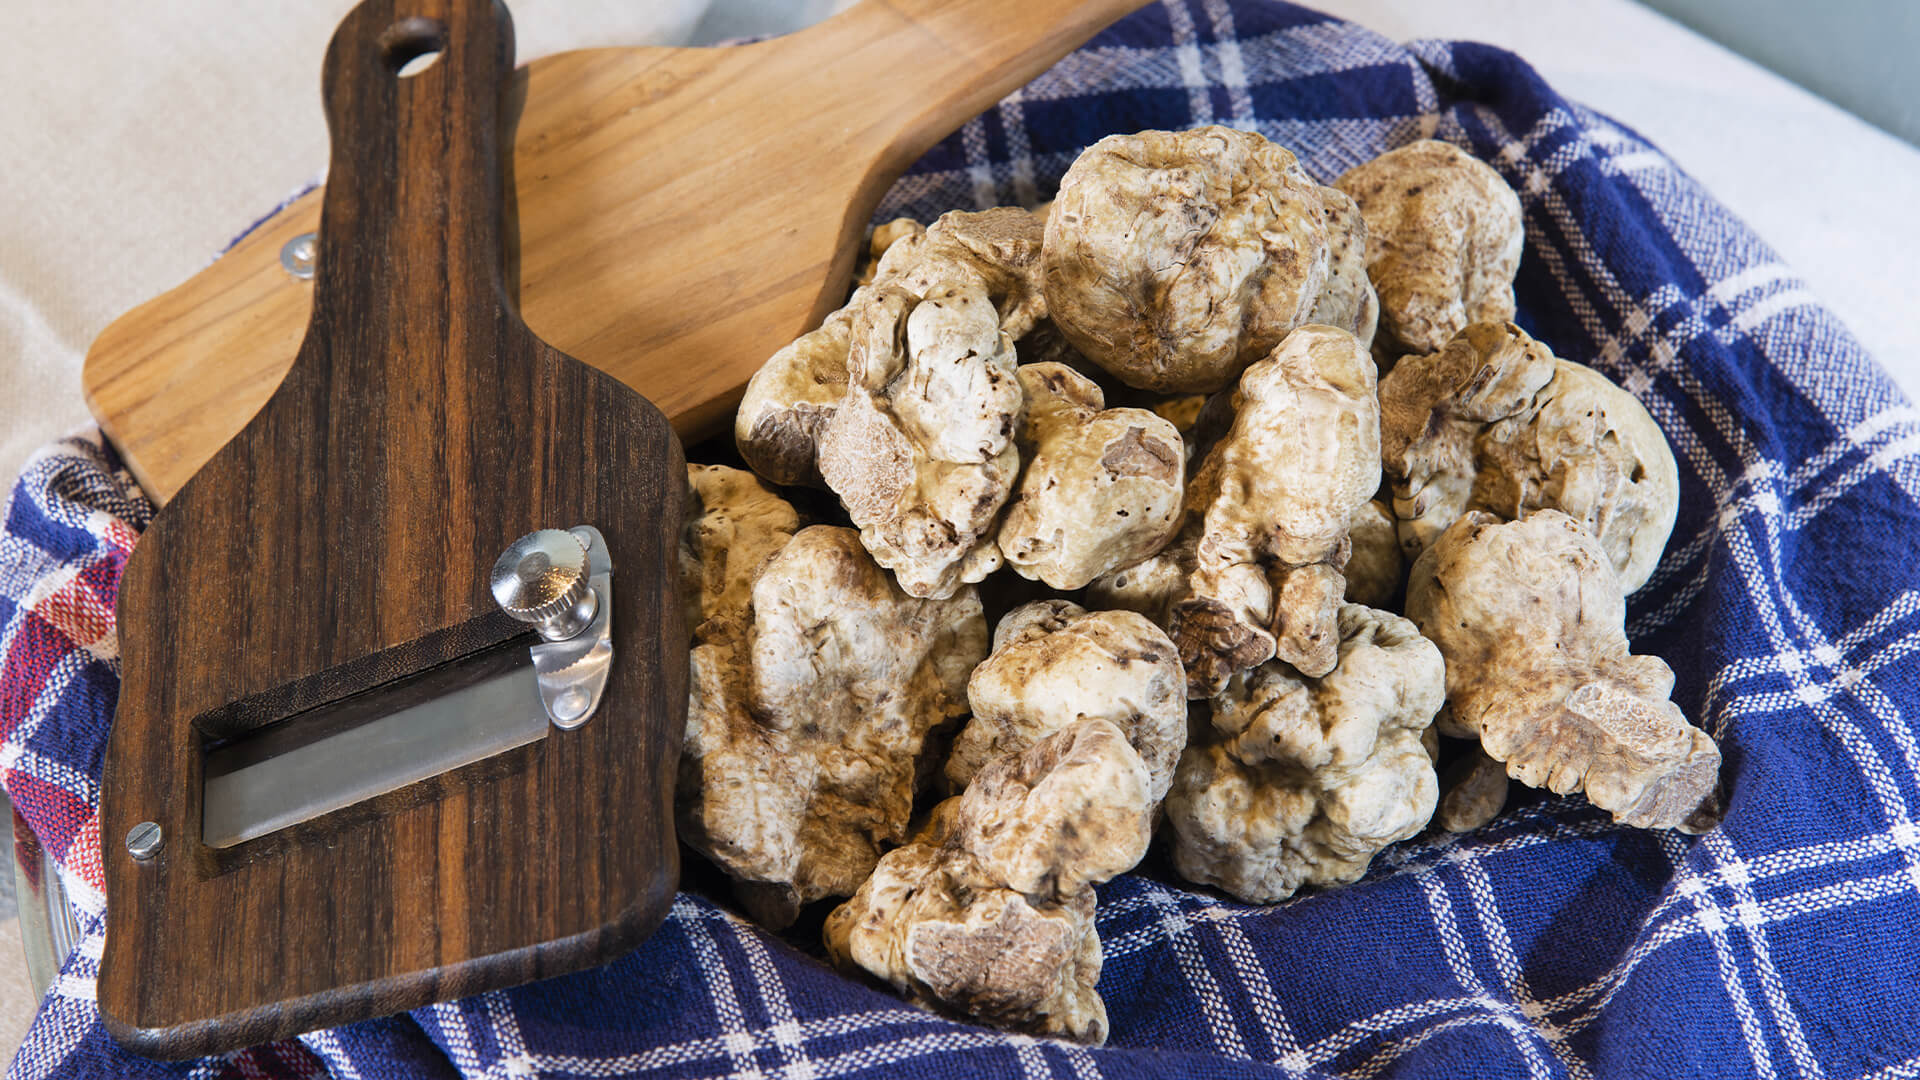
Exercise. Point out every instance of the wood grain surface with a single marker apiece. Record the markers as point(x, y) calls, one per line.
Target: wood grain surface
point(340, 543)
point(683, 213)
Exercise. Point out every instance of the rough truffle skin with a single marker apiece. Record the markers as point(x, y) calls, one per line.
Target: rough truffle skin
point(1530, 615)
point(1496, 422)
point(988, 914)
point(1000, 248)
point(790, 400)
point(1444, 234)
point(809, 720)
point(920, 450)
point(1173, 259)
point(883, 237)
point(1475, 791)
point(1055, 663)
point(1347, 300)
point(1376, 569)
point(1101, 487)
point(1276, 496)
point(1155, 584)
point(733, 523)
point(1300, 781)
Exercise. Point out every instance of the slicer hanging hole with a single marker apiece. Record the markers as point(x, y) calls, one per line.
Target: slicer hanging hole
point(418, 64)
point(412, 45)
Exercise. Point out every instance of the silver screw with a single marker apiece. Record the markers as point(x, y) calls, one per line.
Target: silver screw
point(143, 840)
point(299, 255)
point(542, 579)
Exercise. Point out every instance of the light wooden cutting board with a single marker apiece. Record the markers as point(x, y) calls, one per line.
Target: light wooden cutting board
point(682, 213)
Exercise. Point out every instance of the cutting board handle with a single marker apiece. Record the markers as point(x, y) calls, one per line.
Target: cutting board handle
point(414, 192)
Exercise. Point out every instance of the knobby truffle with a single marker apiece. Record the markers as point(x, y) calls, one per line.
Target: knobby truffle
point(1376, 569)
point(1298, 780)
point(809, 719)
point(1496, 422)
point(733, 522)
point(988, 914)
point(1101, 488)
point(1275, 497)
point(1173, 259)
point(1444, 234)
point(789, 401)
point(1054, 663)
point(1530, 617)
point(921, 450)
point(1348, 300)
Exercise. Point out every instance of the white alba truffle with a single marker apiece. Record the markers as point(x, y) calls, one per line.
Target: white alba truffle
point(1300, 781)
point(1101, 487)
point(795, 394)
point(1444, 235)
point(733, 522)
point(1376, 569)
point(988, 914)
point(796, 774)
point(1496, 422)
point(1055, 663)
point(920, 450)
point(1277, 495)
point(790, 399)
point(1173, 259)
point(1530, 617)
point(883, 237)
point(1473, 792)
point(1347, 300)
point(1155, 584)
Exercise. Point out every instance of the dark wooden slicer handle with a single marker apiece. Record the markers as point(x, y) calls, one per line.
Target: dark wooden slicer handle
point(336, 550)
point(411, 221)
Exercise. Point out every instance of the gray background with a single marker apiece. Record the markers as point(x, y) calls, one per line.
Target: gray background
point(1863, 55)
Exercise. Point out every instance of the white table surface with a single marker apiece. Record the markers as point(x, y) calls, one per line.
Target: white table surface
point(138, 139)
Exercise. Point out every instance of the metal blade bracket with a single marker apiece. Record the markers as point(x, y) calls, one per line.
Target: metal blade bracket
point(440, 720)
point(572, 672)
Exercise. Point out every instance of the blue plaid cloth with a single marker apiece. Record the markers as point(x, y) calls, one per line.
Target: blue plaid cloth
point(1550, 943)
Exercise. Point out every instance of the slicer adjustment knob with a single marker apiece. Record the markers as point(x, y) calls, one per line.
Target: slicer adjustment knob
point(542, 579)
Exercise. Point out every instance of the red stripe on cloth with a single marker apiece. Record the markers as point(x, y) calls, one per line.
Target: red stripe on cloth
point(83, 855)
point(37, 647)
point(120, 535)
point(102, 575)
point(287, 1060)
point(77, 610)
point(58, 816)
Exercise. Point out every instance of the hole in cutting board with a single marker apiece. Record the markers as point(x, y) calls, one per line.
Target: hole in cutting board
point(412, 45)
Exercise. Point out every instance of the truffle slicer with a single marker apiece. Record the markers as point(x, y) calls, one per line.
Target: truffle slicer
point(386, 735)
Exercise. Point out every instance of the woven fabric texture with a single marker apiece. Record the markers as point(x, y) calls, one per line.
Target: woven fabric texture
point(1550, 943)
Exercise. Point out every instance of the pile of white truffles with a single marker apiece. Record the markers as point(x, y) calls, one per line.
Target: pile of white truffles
point(1292, 498)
